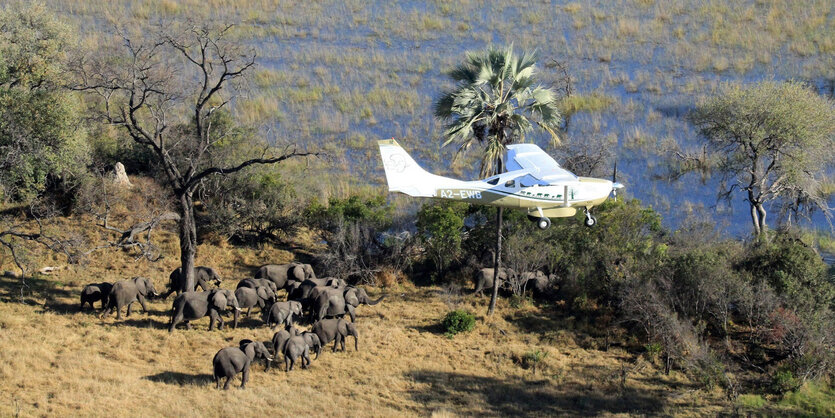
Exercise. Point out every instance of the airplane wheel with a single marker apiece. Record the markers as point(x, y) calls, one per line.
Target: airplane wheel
point(590, 221)
point(543, 223)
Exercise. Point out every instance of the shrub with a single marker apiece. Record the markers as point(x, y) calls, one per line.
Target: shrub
point(784, 381)
point(532, 358)
point(458, 321)
point(751, 401)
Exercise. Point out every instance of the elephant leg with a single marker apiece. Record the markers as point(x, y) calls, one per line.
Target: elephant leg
point(188, 325)
point(212, 317)
point(174, 321)
point(305, 358)
point(129, 310)
point(217, 381)
point(119, 311)
point(351, 309)
point(336, 342)
point(142, 302)
point(245, 377)
point(287, 364)
point(226, 385)
point(247, 312)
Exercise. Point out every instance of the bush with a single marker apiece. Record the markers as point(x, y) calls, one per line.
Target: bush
point(784, 381)
point(458, 321)
point(532, 358)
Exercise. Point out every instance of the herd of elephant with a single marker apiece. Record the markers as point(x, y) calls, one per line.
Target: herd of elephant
point(323, 302)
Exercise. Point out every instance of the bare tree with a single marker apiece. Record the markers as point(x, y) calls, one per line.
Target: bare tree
point(164, 90)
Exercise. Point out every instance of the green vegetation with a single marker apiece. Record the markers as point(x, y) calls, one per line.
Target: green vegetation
point(774, 141)
point(39, 135)
point(812, 398)
point(495, 103)
point(458, 321)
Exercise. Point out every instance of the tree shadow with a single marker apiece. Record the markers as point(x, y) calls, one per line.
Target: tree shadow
point(470, 395)
point(142, 322)
point(181, 379)
point(436, 328)
point(16, 289)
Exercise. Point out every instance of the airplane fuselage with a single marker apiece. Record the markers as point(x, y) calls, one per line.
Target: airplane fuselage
point(555, 200)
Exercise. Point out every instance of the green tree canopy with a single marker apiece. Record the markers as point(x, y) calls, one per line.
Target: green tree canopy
point(773, 140)
point(496, 102)
point(39, 123)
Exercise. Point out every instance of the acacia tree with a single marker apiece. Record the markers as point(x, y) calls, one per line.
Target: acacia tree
point(496, 102)
point(773, 141)
point(165, 91)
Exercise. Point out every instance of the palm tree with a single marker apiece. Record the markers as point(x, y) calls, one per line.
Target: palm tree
point(495, 104)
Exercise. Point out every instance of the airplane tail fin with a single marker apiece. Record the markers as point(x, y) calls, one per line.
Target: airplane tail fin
point(403, 174)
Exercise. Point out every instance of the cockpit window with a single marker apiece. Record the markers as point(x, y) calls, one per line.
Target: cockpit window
point(493, 181)
point(510, 183)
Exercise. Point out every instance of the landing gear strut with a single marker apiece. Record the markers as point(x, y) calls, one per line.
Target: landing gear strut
point(590, 220)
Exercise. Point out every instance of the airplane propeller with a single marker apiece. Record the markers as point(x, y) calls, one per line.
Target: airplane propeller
point(615, 184)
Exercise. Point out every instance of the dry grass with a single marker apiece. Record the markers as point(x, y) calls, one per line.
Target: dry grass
point(56, 360)
point(59, 361)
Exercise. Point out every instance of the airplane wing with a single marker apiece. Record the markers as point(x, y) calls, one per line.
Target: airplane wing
point(537, 163)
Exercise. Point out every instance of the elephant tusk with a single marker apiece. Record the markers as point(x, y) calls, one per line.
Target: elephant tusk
point(238, 309)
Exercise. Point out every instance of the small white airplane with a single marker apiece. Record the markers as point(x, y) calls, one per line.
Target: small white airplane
point(534, 181)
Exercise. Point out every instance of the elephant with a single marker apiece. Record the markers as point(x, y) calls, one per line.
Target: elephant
point(294, 348)
point(339, 301)
point(313, 342)
point(330, 283)
point(249, 298)
point(336, 330)
point(190, 306)
point(230, 361)
point(280, 340)
point(281, 274)
point(203, 276)
point(484, 278)
point(95, 292)
point(538, 282)
point(255, 283)
point(125, 292)
point(282, 313)
point(309, 287)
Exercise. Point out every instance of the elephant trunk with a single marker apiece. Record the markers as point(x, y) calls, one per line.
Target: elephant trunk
point(372, 303)
point(237, 315)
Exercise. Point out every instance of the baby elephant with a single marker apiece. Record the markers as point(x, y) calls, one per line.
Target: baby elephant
point(230, 361)
point(95, 292)
point(282, 313)
point(294, 348)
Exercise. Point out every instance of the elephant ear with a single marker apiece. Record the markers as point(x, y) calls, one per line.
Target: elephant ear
point(262, 293)
point(296, 307)
point(219, 300)
point(352, 297)
point(141, 285)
